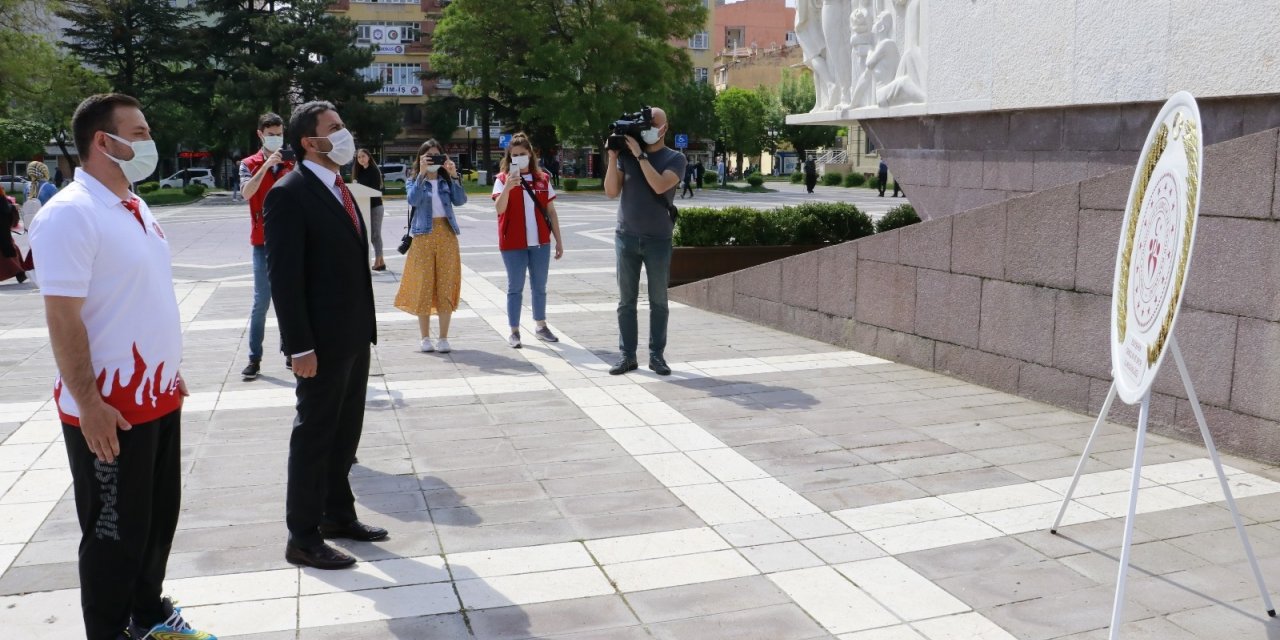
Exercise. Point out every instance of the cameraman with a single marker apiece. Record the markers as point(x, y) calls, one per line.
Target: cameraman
point(646, 179)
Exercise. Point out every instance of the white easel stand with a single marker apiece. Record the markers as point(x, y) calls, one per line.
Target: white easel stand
point(1144, 414)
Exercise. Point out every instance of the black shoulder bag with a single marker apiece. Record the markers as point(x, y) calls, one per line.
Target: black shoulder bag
point(407, 240)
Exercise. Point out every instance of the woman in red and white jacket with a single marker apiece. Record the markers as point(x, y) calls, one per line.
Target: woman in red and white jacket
point(524, 199)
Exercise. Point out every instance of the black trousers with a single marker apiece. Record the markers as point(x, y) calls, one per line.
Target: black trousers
point(883, 181)
point(326, 433)
point(128, 511)
point(688, 188)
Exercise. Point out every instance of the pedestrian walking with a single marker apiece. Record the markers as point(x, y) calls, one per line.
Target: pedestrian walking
point(810, 175)
point(645, 179)
point(699, 171)
point(116, 333)
point(882, 178)
point(687, 183)
point(366, 172)
point(317, 258)
point(258, 173)
point(432, 279)
point(525, 202)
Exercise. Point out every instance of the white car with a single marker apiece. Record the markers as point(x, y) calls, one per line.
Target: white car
point(394, 171)
point(195, 175)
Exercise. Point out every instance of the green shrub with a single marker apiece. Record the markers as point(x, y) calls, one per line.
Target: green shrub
point(797, 178)
point(804, 224)
point(148, 187)
point(899, 216)
point(832, 179)
point(855, 180)
point(755, 179)
point(873, 183)
point(195, 189)
point(570, 184)
point(711, 177)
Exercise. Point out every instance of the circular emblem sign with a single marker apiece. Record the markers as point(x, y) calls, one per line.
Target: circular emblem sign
point(1155, 246)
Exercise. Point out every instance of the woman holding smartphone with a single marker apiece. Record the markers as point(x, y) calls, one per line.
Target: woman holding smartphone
point(523, 197)
point(432, 280)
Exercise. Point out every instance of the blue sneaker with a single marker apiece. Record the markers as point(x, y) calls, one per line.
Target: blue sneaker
point(173, 628)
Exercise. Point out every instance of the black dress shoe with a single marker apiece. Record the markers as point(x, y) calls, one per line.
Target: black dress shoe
point(659, 366)
point(624, 364)
point(355, 530)
point(321, 556)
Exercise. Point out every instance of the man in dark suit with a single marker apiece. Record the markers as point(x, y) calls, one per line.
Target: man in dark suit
point(317, 249)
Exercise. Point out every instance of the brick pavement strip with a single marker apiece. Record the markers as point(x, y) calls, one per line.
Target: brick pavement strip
point(531, 494)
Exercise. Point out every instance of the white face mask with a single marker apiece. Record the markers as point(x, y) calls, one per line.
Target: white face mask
point(272, 143)
point(144, 158)
point(520, 162)
point(344, 146)
point(651, 135)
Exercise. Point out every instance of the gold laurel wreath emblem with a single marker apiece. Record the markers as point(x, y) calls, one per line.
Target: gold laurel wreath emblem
point(1190, 146)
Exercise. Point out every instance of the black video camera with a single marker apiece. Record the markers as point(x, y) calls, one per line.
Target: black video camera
point(630, 124)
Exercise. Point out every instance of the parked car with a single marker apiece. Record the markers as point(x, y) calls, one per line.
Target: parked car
point(394, 171)
point(197, 174)
point(14, 184)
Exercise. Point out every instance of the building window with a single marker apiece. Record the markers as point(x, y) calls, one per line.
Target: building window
point(735, 37)
point(397, 78)
point(386, 36)
point(700, 41)
point(700, 74)
point(791, 39)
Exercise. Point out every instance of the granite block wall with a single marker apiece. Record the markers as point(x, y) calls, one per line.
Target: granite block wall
point(1016, 296)
point(954, 163)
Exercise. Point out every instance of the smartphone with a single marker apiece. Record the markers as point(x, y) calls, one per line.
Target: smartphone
point(288, 155)
point(437, 159)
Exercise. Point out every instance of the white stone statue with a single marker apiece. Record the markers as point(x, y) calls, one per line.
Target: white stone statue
point(835, 29)
point(907, 86)
point(882, 63)
point(861, 41)
point(813, 44)
point(857, 63)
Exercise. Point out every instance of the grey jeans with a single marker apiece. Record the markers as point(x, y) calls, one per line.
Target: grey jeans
point(375, 229)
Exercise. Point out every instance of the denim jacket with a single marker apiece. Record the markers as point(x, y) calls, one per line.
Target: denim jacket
point(418, 191)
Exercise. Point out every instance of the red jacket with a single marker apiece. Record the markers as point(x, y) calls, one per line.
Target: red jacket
point(511, 223)
point(257, 237)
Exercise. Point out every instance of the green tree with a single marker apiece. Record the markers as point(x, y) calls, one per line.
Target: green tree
point(797, 96)
point(743, 121)
point(693, 111)
point(440, 117)
point(141, 47)
point(21, 139)
point(268, 56)
point(574, 65)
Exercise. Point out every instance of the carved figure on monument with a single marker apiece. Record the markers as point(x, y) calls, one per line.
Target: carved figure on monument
point(835, 31)
point(813, 44)
point(907, 86)
point(861, 42)
point(882, 64)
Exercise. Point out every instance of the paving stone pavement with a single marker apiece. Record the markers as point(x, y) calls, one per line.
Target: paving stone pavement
point(773, 487)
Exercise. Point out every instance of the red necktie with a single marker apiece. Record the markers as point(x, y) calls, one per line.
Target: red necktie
point(347, 201)
point(132, 205)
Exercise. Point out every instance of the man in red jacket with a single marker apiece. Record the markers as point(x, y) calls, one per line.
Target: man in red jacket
point(258, 173)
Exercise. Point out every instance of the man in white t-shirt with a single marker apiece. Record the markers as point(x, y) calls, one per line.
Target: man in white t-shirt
point(117, 340)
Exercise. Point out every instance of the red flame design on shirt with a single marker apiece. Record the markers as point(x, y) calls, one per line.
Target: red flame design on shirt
point(142, 399)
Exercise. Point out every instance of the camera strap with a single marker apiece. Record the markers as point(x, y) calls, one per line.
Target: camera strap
point(537, 205)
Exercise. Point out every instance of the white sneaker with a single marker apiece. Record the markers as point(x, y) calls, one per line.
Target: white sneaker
point(514, 340)
point(426, 345)
point(442, 345)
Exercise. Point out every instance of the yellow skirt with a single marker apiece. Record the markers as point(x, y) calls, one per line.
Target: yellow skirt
point(432, 279)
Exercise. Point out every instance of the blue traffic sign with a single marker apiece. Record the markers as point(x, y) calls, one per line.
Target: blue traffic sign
point(682, 141)
point(504, 140)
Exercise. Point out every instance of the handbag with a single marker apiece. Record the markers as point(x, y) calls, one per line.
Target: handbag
point(407, 240)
